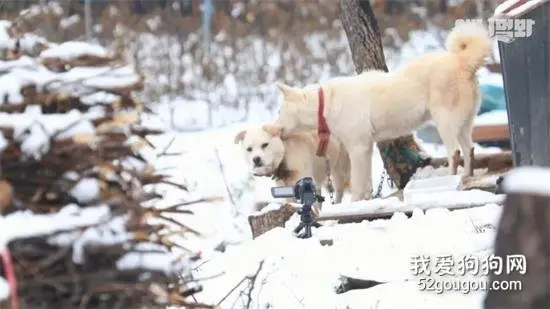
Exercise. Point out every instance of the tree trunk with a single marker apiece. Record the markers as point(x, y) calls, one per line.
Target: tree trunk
point(401, 156)
point(524, 230)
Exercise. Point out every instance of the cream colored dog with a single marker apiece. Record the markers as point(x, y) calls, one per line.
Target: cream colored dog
point(375, 105)
point(292, 158)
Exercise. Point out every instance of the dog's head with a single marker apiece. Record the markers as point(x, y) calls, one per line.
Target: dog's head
point(293, 99)
point(262, 147)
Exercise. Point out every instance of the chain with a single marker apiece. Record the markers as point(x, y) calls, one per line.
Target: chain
point(330, 187)
point(380, 185)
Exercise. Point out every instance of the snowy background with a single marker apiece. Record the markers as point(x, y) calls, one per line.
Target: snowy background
point(202, 100)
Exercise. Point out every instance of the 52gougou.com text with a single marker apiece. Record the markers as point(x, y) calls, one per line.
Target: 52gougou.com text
point(466, 286)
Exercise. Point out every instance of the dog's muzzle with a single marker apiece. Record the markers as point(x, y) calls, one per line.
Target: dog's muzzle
point(257, 162)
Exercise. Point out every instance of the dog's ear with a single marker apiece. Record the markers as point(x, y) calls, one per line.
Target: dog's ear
point(273, 130)
point(285, 89)
point(239, 137)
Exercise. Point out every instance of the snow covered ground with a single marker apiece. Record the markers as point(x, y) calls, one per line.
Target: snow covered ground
point(302, 273)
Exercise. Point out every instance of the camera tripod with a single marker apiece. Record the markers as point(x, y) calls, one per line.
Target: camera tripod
point(305, 192)
point(306, 219)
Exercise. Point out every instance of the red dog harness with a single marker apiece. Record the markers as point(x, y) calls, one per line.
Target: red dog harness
point(322, 127)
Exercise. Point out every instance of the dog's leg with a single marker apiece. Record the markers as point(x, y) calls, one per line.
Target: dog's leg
point(339, 185)
point(369, 173)
point(448, 133)
point(454, 162)
point(467, 145)
point(339, 195)
point(361, 181)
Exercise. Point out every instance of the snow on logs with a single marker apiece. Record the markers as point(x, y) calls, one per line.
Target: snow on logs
point(74, 174)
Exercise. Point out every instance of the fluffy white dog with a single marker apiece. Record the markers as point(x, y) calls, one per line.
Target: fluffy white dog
point(292, 158)
point(375, 105)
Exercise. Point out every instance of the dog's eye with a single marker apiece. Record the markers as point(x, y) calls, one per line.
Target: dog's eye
point(249, 149)
point(264, 145)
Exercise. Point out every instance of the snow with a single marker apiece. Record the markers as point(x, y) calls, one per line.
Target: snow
point(487, 77)
point(69, 21)
point(496, 117)
point(108, 231)
point(112, 81)
point(432, 184)
point(29, 41)
point(100, 77)
point(211, 165)
point(3, 142)
point(73, 50)
point(112, 231)
point(86, 190)
point(23, 61)
point(16, 225)
point(419, 200)
point(100, 97)
point(34, 129)
point(527, 179)
point(6, 42)
point(10, 89)
point(160, 261)
point(26, 71)
point(381, 250)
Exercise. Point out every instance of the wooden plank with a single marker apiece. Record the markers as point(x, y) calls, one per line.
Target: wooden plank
point(494, 132)
point(384, 208)
point(360, 215)
point(493, 162)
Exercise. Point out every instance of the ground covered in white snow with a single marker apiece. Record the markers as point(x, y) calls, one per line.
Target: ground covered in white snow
point(300, 273)
point(297, 272)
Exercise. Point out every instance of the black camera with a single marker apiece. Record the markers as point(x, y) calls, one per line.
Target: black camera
point(305, 192)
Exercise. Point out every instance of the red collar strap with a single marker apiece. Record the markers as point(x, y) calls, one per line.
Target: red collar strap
point(322, 127)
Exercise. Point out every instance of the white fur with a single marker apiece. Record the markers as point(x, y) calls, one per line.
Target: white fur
point(298, 153)
point(374, 106)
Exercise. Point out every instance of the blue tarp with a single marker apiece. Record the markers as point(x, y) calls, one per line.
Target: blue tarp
point(492, 98)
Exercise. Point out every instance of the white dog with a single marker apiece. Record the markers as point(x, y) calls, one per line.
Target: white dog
point(375, 105)
point(292, 158)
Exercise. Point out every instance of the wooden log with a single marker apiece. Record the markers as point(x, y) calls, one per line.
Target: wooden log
point(350, 283)
point(494, 132)
point(488, 182)
point(523, 230)
point(6, 195)
point(266, 220)
point(496, 162)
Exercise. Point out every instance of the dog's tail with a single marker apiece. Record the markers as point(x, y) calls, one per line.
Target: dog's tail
point(471, 42)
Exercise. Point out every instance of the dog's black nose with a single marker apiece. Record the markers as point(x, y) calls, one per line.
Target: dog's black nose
point(257, 161)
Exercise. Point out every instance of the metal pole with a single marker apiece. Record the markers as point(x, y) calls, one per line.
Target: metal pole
point(88, 20)
point(207, 12)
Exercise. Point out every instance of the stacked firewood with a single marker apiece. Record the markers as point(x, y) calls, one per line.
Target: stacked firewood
point(77, 186)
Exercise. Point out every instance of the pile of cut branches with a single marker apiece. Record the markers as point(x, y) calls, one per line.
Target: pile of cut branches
point(76, 185)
